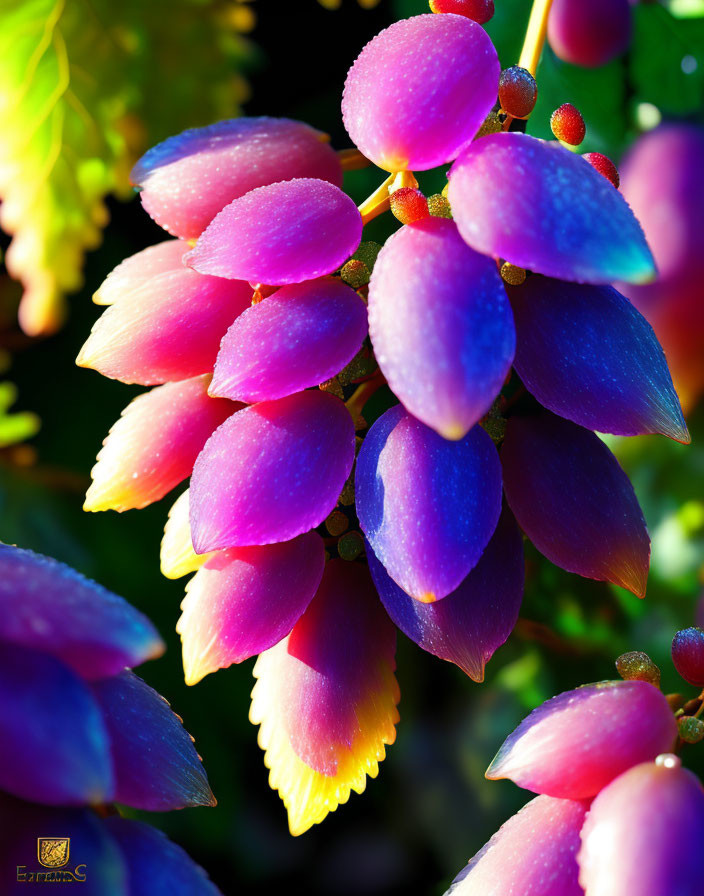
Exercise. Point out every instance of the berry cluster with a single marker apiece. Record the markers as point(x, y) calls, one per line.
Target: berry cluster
point(486, 321)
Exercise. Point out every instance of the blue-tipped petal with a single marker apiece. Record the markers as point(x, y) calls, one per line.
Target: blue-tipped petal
point(49, 606)
point(427, 506)
point(94, 866)
point(544, 208)
point(156, 865)
point(588, 355)
point(573, 500)
point(468, 625)
point(441, 325)
point(156, 765)
point(54, 747)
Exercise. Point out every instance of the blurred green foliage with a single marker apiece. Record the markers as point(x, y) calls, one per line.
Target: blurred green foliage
point(430, 808)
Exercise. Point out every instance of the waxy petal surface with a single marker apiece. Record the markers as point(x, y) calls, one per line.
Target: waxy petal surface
point(156, 765)
point(643, 832)
point(573, 500)
point(467, 626)
point(154, 863)
point(300, 336)
point(271, 471)
point(245, 600)
point(544, 208)
point(588, 355)
point(177, 555)
point(419, 91)
point(136, 271)
point(441, 325)
point(169, 329)
point(576, 743)
point(532, 854)
point(427, 506)
point(61, 764)
point(154, 444)
point(326, 697)
point(283, 233)
point(48, 606)
point(186, 180)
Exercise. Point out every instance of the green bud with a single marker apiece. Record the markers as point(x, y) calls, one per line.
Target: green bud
point(691, 730)
point(637, 666)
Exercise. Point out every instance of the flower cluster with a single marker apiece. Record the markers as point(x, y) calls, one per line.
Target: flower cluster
point(663, 180)
point(617, 813)
point(248, 327)
point(80, 731)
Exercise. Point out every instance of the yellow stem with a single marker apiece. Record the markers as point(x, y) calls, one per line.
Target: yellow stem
point(535, 35)
point(352, 159)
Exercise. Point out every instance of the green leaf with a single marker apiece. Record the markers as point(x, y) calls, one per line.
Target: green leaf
point(85, 87)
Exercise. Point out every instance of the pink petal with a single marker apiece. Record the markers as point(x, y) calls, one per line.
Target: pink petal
point(284, 233)
point(532, 854)
point(140, 339)
point(300, 336)
point(271, 471)
point(575, 743)
point(326, 697)
point(644, 833)
point(245, 600)
point(138, 270)
point(420, 90)
point(154, 444)
point(186, 180)
point(441, 325)
point(544, 208)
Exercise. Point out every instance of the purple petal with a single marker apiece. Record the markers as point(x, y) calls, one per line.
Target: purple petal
point(156, 765)
point(42, 759)
point(140, 339)
point(544, 208)
point(573, 500)
point(284, 233)
point(136, 271)
point(588, 355)
point(427, 506)
point(271, 471)
point(467, 626)
point(420, 90)
point(644, 833)
point(49, 606)
point(245, 600)
point(186, 180)
point(156, 865)
point(441, 325)
point(532, 854)
point(300, 336)
point(575, 743)
point(95, 862)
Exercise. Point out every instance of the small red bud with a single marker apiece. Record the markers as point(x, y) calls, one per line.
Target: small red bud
point(408, 205)
point(478, 10)
point(688, 655)
point(517, 91)
point(603, 165)
point(568, 125)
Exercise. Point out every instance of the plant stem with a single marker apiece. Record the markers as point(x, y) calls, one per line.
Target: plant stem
point(535, 35)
